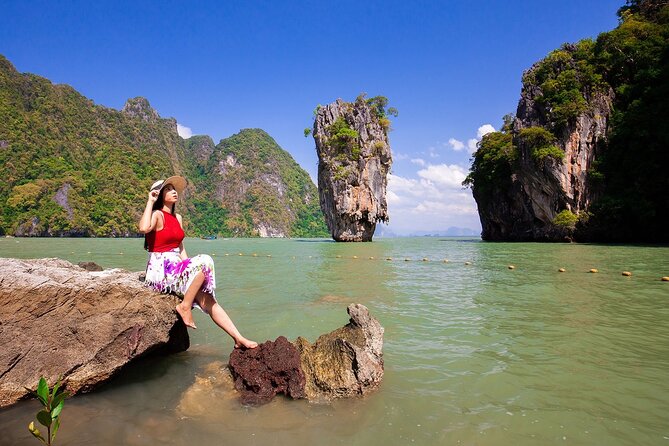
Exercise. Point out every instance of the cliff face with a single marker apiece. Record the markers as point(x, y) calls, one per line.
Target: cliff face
point(550, 172)
point(353, 162)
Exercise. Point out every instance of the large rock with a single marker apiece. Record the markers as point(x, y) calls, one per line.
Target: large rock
point(524, 207)
point(59, 320)
point(346, 362)
point(354, 159)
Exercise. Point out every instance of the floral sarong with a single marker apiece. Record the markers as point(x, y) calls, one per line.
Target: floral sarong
point(167, 273)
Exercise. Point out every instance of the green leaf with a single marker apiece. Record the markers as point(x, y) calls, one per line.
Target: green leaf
point(56, 425)
point(56, 410)
point(54, 391)
point(44, 418)
point(59, 398)
point(43, 390)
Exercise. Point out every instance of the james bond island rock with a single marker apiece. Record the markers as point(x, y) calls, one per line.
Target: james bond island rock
point(59, 319)
point(532, 180)
point(346, 362)
point(353, 162)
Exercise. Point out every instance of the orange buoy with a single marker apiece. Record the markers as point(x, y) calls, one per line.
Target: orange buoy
point(594, 270)
point(512, 267)
point(562, 270)
point(665, 279)
point(627, 273)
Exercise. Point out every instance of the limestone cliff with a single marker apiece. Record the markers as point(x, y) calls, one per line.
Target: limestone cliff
point(546, 171)
point(353, 162)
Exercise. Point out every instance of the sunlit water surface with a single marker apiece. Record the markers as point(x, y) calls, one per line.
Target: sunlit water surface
point(474, 354)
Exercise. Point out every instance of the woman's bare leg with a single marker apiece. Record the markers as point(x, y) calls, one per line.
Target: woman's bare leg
point(184, 308)
point(221, 318)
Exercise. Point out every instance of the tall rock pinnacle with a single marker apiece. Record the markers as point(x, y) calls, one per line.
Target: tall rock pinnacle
point(353, 163)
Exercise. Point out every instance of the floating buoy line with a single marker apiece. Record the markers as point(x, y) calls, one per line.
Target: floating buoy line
point(509, 267)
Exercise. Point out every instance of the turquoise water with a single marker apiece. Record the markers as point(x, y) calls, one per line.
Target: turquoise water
point(474, 354)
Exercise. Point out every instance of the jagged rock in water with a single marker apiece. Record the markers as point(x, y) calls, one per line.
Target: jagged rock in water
point(346, 362)
point(526, 206)
point(59, 320)
point(353, 162)
point(269, 369)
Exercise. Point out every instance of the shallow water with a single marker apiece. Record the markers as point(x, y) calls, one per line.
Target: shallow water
point(474, 354)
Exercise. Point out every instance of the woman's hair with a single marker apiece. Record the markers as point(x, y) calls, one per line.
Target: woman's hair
point(156, 206)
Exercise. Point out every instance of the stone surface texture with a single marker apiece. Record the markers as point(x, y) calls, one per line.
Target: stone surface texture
point(343, 363)
point(525, 211)
point(57, 319)
point(263, 372)
point(352, 184)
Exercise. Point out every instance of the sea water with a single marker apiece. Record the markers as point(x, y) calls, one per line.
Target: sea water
point(475, 353)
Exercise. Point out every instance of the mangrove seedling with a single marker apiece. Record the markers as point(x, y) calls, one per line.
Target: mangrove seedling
point(52, 401)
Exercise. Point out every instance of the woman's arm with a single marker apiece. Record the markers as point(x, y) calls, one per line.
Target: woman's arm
point(182, 250)
point(149, 218)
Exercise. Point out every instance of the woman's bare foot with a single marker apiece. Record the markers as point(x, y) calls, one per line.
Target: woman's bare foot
point(186, 316)
point(245, 343)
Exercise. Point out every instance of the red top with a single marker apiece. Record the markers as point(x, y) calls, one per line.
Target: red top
point(168, 238)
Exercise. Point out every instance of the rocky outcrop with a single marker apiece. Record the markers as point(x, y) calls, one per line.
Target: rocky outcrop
point(140, 108)
point(346, 362)
point(60, 320)
point(525, 208)
point(354, 159)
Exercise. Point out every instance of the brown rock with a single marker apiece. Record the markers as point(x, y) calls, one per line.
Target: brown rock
point(269, 369)
point(345, 362)
point(60, 320)
point(90, 266)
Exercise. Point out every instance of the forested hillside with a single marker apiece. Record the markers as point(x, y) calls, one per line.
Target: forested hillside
point(71, 167)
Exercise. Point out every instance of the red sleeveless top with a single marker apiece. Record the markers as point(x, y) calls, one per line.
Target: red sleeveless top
point(168, 238)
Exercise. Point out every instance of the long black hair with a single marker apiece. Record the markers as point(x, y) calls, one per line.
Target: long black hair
point(157, 206)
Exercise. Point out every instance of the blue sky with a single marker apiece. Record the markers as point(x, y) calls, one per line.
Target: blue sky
point(451, 68)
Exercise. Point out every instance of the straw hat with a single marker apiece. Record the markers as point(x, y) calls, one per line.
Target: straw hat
point(178, 182)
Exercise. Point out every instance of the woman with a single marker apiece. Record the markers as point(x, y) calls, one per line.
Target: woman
point(170, 270)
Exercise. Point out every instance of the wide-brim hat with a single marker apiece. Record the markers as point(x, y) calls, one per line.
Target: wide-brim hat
point(178, 182)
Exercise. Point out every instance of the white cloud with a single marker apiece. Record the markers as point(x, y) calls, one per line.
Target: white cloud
point(484, 130)
point(471, 145)
point(183, 131)
point(456, 145)
point(444, 175)
point(435, 201)
point(419, 161)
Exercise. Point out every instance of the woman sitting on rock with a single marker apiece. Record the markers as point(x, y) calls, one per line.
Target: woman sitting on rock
point(170, 270)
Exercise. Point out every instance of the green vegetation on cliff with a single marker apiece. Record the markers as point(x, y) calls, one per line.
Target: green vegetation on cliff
point(71, 167)
point(629, 173)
